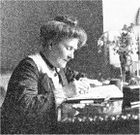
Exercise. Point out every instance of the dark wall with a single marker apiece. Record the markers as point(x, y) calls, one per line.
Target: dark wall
point(21, 21)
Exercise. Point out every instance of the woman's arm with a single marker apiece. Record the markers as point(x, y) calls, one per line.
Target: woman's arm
point(25, 89)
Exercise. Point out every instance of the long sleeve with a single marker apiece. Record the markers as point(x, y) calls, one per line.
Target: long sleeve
point(25, 85)
point(30, 94)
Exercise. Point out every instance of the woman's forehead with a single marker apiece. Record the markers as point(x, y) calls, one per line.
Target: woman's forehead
point(71, 42)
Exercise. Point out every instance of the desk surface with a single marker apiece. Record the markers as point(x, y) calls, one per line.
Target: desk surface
point(127, 122)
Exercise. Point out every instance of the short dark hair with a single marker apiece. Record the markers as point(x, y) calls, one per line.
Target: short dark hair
point(62, 27)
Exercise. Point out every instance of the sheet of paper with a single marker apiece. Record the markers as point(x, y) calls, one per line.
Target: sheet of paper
point(99, 92)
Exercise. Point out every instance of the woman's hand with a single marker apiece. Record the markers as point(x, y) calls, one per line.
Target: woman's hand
point(77, 87)
point(83, 86)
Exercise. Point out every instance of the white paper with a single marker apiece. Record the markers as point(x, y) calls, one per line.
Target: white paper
point(99, 92)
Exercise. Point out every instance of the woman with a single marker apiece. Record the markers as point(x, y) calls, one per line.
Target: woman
point(36, 89)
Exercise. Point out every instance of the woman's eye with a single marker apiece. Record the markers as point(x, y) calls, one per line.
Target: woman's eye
point(69, 48)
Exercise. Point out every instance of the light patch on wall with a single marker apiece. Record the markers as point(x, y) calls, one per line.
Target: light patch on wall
point(116, 13)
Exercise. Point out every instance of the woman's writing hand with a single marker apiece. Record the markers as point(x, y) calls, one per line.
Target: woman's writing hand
point(77, 87)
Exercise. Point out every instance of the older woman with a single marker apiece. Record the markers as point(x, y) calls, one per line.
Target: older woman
point(36, 88)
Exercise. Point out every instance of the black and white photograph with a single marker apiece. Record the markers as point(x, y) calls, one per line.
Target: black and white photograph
point(70, 67)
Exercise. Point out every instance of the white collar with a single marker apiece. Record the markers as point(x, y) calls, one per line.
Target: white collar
point(42, 66)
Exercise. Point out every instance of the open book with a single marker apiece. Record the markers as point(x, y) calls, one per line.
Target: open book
point(100, 92)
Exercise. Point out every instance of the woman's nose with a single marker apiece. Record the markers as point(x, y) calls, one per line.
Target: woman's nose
point(71, 55)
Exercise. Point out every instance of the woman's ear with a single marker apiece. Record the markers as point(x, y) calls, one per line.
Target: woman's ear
point(50, 47)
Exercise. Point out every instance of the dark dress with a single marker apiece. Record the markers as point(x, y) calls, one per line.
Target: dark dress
point(29, 105)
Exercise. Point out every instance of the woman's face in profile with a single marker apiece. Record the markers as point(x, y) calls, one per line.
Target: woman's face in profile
point(64, 51)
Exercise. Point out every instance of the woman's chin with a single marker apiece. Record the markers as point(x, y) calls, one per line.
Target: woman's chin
point(62, 65)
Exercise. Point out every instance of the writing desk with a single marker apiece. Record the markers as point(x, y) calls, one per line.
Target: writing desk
point(125, 122)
